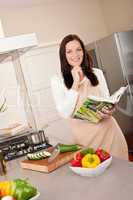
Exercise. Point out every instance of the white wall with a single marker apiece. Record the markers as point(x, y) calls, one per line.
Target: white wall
point(52, 21)
point(118, 15)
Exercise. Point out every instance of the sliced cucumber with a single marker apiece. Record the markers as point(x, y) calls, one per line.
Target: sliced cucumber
point(38, 155)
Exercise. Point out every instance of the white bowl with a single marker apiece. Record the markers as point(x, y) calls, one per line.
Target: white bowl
point(35, 197)
point(91, 172)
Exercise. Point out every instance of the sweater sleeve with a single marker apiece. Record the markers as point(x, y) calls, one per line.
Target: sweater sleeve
point(65, 100)
point(102, 82)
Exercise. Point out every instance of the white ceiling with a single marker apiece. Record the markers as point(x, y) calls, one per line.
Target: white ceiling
point(22, 3)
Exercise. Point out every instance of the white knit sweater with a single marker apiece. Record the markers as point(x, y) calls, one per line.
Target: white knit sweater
point(65, 99)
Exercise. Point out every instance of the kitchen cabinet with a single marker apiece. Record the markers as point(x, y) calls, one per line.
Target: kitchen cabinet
point(38, 65)
point(12, 48)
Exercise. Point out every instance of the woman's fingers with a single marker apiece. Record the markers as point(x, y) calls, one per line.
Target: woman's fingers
point(76, 72)
point(75, 76)
point(76, 79)
point(109, 111)
point(103, 115)
point(106, 112)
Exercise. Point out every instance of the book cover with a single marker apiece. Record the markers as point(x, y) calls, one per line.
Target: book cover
point(92, 104)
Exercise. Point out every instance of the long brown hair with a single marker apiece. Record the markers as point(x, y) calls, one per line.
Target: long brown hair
point(86, 64)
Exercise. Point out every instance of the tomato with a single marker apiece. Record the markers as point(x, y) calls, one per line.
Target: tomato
point(75, 163)
point(78, 156)
point(103, 155)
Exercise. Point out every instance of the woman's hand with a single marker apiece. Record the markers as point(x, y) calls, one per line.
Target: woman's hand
point(77, 75)
point(105, 113)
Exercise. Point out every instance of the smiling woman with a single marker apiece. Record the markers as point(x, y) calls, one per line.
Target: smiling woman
point(79, 80)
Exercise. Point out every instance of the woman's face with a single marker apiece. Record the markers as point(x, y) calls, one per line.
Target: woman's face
point(74, 53)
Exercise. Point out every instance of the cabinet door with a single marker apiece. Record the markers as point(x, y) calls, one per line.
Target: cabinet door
point(39, 66)
point(9, 89)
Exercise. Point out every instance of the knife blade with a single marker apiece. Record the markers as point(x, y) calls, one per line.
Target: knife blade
point(54, 154)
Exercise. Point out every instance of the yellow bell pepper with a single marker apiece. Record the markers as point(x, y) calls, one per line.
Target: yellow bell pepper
point(90, 160)
point(5, 187)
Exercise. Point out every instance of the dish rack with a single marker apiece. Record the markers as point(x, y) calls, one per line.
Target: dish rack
point(29, 142)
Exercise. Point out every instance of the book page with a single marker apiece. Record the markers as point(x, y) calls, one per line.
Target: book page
point(117, 95)
point(114, 98)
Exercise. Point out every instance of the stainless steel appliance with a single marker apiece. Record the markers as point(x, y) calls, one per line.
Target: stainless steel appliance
point(21, 144)
point(114, 55)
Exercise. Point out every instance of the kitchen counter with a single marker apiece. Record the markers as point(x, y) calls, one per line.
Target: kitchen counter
point(62, 184)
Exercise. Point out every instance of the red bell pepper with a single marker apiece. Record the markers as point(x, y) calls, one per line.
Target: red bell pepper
point(103, 155)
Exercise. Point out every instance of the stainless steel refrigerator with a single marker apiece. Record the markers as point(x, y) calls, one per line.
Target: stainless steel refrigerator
point(114, 55)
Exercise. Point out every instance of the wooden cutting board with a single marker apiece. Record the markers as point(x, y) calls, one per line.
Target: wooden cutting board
point(44, 166)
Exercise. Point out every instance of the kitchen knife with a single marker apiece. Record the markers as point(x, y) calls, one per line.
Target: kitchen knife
point(54, 154)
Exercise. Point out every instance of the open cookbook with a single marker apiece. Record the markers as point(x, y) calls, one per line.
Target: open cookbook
point(92, 104)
